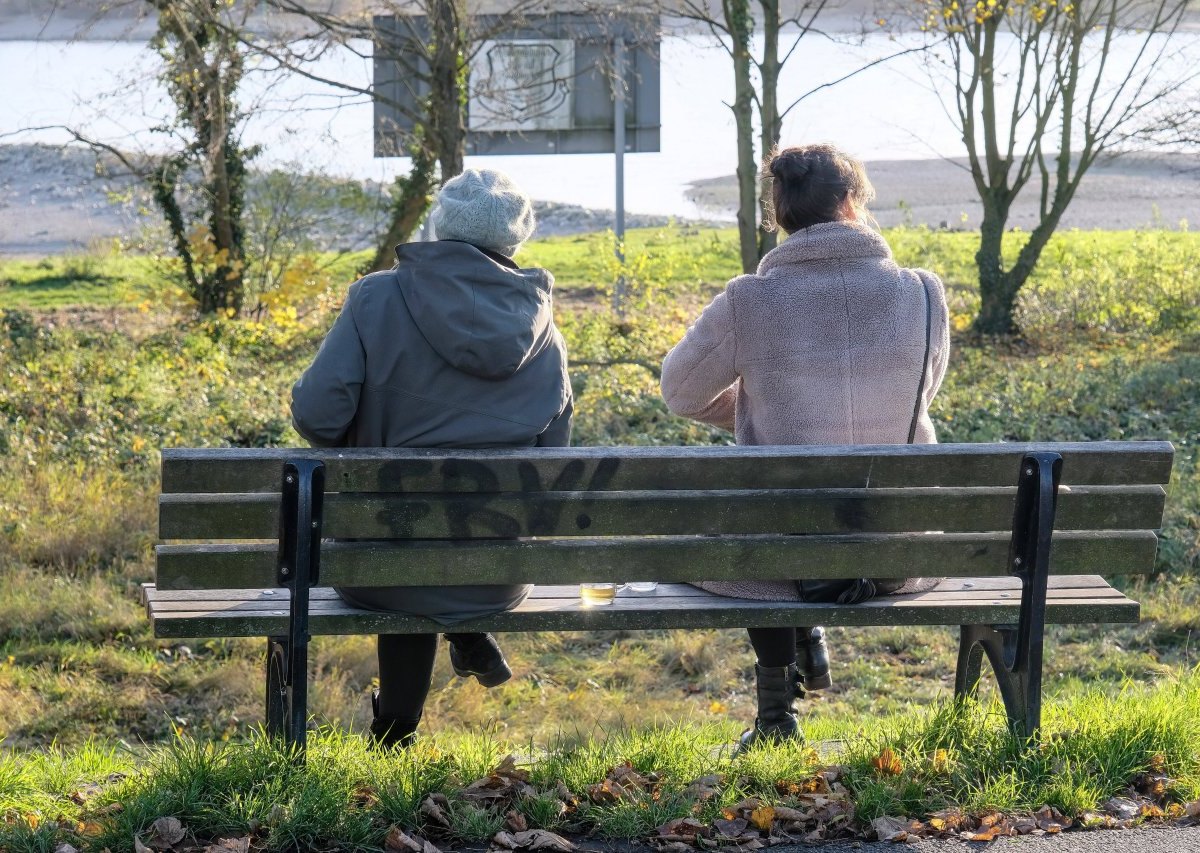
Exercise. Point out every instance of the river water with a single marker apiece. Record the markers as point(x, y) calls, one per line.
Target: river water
point(891, 112)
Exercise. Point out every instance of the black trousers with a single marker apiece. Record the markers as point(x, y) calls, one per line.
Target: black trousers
point(406, 671)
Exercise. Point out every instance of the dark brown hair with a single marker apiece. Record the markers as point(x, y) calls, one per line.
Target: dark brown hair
point(810, 184)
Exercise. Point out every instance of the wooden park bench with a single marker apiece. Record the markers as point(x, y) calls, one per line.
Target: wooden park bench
point(1021, 532)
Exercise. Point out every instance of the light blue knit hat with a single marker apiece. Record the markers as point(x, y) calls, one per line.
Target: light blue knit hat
point(485, 208)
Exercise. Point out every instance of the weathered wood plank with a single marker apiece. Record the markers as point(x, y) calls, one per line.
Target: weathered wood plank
point(1001, 584)
point(553, 561)
point(634, 468)
point(558, 615)
point(668, 602)
point(659, 513)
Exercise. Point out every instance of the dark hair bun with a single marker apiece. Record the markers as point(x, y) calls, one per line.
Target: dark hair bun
point(790, 167)
point(812, 183)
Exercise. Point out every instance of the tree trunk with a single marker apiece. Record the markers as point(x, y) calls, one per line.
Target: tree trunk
point(769, 121)
point(410, 201)
point(447, 131)
point(997, 294)
point(741, 28)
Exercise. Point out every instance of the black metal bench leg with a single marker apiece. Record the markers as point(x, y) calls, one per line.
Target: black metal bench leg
point(278, 699)
point(1015, 651)
point(299, 570)
point(1020, 686)
point(970, 662)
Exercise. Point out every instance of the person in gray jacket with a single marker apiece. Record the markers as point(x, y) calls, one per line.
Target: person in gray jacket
point(455, 346)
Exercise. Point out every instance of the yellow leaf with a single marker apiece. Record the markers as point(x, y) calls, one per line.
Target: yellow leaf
point(940, 761)
point(886, 763)
point(717, 707)
point(762, 818)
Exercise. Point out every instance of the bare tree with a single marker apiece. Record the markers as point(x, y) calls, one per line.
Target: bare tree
point(784, 24)
point(1041, 89)
point(431, 44)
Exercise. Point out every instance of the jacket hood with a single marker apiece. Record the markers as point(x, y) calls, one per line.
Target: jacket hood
point(478, 310)
point(826, 242)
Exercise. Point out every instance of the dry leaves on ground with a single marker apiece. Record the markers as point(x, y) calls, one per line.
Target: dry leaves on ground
point(622, 783)
point(532, 839)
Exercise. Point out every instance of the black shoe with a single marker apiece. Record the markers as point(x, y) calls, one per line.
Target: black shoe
point(391, 732)
point(776, 720)
point(812, 660)
point(482, 659)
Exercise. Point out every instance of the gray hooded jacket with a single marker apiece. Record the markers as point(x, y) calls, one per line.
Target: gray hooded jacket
point(455, 347)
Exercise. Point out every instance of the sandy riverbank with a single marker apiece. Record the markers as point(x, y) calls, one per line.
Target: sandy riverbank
point(1128, 192)
point(52, 202)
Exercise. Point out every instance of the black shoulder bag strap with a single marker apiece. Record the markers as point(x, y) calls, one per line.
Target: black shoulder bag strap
point(864, 588)
point(912, 429)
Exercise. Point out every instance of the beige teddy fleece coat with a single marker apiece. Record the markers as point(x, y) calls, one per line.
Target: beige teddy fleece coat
point(823, 345)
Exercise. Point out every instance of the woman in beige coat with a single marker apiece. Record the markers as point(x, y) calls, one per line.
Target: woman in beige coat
point(830, 342)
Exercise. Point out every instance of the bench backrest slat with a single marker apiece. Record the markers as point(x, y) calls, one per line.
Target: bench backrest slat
point(1113, 463)
point(662, 513)
point(665, 559)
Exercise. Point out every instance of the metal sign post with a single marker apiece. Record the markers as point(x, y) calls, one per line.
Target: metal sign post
point(618, 85)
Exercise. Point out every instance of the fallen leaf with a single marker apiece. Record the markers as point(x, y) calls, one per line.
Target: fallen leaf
point(543, 839)
point(947, 820)
point(985, 834)
point(433, 807)
point(398, 841)
point(685, 827)
point(85, 793)
point(167, 832)
point(763, 818)
point(886, 763)
point(939, 762)
point(1122, 808)
point(704, 788)
point(751, 844)
point(230, 845)
point(785, 813)
point(64, 847)
point(676, 847)
point(139, 847)
point(890, 828)
point(508, 768)
point(504, 840)
point(730, 828)
point(1158, 763)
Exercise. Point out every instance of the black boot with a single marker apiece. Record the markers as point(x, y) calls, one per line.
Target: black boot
point(812, 660)
point(480, 656)
point(391, 732)
point(776, 720)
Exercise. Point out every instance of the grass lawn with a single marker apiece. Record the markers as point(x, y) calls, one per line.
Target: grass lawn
point(100, 373)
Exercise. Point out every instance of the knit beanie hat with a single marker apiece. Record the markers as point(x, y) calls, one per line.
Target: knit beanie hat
point(485, 208)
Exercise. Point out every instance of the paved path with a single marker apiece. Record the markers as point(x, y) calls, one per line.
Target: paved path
point(1157, 839)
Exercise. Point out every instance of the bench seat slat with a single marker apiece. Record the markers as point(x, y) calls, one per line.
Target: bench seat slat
point(658, 513)
point(570, 593)
point(548, 561)
point(601, 468)
point(1061, 583)
point(560, 609)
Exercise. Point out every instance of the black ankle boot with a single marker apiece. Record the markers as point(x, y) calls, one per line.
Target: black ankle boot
point(812, 660)
point(776, 720)
point(481, 658)
point(391, 732)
